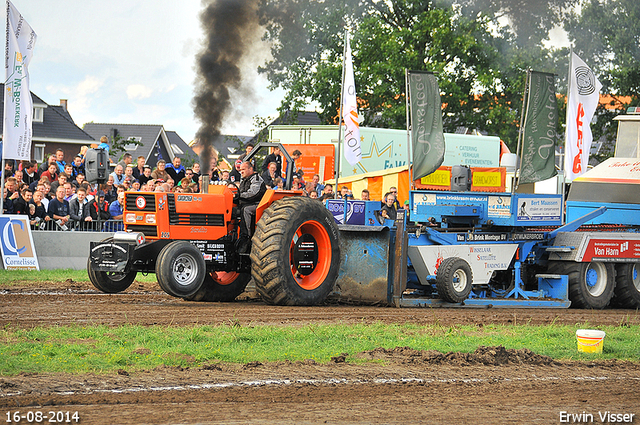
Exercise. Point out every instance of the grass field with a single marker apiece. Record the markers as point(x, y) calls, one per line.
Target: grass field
point(103, 349)
point(21, 277)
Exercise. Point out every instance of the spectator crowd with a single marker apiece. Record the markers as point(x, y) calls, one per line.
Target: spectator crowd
point(56, 196)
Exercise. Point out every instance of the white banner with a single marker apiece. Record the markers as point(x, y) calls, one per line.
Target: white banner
point(352, 150)
point(18, 105)
point(584, 94)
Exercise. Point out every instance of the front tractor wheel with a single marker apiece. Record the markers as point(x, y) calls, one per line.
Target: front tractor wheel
point(180, 269)
point(295, 256)
point(221, 287)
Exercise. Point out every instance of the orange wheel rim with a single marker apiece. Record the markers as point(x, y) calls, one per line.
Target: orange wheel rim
point(323, 264)
point(224, 278)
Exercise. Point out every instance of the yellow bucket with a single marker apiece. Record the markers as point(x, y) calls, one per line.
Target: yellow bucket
point(590, 340)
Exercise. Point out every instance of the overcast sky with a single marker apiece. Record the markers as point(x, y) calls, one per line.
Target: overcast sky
point(128, 62)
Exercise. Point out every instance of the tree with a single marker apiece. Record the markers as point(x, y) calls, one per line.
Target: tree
point(606, 34)
point(480, 69)
point(118, 144)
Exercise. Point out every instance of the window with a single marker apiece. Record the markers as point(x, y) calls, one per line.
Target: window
point(132, 146)
point(38, 152)
point(177, 150)
point(38, 114)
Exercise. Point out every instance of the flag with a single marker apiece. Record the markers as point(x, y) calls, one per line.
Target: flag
point(427, 138)
point(352, 151)
point(539, 130)
point(18, 105)
point(583, 97)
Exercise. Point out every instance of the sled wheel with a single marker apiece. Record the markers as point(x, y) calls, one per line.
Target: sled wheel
point(180, 269)
point(627, 290)
point(221, 287)
point(295, 256)
point(110, 282)
point(590, 284)
point(454, 279)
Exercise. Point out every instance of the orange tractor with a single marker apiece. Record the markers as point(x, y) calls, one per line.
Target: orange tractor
point(190, 241)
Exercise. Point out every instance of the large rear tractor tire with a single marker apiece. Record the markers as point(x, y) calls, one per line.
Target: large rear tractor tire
point(295, 256)
point(109, 282)
point(590, 284)
point(454, 280)
point(221, 287)
point(180, 269)
point(627, 291)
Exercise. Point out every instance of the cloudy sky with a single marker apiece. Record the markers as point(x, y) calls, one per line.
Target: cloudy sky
point(129, 62)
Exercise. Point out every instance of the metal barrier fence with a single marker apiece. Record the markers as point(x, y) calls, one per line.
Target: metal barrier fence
point(75, 226)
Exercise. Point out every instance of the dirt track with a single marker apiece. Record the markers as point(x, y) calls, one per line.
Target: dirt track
point(487, 387)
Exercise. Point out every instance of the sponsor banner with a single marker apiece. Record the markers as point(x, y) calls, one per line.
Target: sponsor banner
point(528, 236)
point(18, 250)
point(488, 180)
point(539, 209)
point(483, 179)
point(584, 94)
point(499, 207)
point(539, 130)
point(438, 180)
point(427, 137)
point(18, 105)
point(352, 149)
point(612, 249)
point(482, 237)
point(355, 213)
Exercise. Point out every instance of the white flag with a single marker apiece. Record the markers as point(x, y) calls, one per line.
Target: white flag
point(18, 105)
point(584, 94)
point(352, 151)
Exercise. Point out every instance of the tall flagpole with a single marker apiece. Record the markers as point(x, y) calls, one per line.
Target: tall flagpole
point(516, 177)
point(566, 130)
point(344, 58)
point(6, 66)
point(409, 157)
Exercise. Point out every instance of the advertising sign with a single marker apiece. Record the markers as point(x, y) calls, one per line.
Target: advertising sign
point(18, 250)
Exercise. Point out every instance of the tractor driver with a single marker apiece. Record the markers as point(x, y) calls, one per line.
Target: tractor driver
point(251, 190)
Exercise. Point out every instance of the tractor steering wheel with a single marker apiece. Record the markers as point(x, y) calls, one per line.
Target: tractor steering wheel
point(236, 192)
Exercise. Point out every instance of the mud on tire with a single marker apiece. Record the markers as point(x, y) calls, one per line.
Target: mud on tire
point(295, 255)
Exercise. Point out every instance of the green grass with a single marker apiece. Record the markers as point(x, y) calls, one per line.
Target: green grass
point(21, 277)
point(100, 349)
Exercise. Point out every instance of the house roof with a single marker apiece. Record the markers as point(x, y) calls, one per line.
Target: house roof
point(147, 134)
point(57, 124)
point(180, 147)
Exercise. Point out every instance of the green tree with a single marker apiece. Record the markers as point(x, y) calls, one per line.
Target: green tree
point(606, 34)
point(118, 144)
point(480, 68)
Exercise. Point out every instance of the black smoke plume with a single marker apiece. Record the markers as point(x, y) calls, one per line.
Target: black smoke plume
point(230, 28)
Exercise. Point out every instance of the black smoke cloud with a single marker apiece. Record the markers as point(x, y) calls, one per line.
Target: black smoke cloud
point(231, 27)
